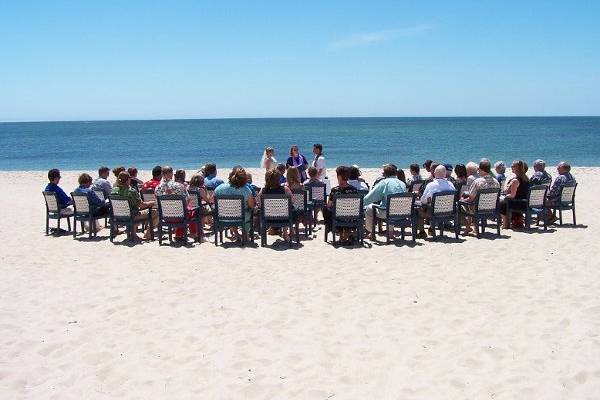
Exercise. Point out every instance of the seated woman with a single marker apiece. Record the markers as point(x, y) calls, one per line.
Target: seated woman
point(123, 188)
point(343, 175)
point(272, 186)
point(101, 208)
point(236, 185)
point(293, 179)
point(516, 188)
point(461, 176)
point(180, 177)
point(197, 184)
point(135, 182)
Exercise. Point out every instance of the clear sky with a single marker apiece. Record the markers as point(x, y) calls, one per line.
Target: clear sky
point(81, 60)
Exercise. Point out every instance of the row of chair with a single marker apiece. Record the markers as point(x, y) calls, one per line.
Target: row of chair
point(280, 211)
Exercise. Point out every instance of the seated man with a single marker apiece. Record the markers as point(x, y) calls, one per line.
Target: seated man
point(64, 200)
point(414, 174)
point(429, 179)
point(169, 186)
point(101, 207)
point(564, 177)
point(471, 173)
point(390, 184)
point(438, 184)
point(155, 181)
point(500, 168)
point(355, 179)
point(540, 176)
point(211, 180)
point(102, 183)
point(485, 181)
point(123, 188)
point(343, 174)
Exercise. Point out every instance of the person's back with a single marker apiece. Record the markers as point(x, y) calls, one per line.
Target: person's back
point(564, 178)
point(156, 178)
point(53, 179)
point(541, 178)
point(211, 180)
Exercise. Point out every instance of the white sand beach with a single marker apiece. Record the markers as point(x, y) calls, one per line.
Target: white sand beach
point(516, 317)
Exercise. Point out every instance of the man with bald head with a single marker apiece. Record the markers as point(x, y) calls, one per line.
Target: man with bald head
point(564, 177)
point(439, 184)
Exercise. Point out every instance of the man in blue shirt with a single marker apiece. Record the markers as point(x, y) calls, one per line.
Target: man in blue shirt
point(54, 177)
point(100, 207)
point(390, 184)
point(211, 181)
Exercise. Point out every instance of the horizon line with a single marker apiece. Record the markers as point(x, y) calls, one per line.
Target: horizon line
point(322, 117)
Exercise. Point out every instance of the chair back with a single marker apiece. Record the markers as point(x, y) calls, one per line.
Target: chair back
point(148, 195)
point(299, 199)
point(51, 199)
point(100, 194)
point(120, 208)
point(400, 205)
point(276, 207)
point(536, 198)
point(348, 206)
point(229, 208)
point(195, 199)
point(443, 204)
point(171, 207)
point(81, 204)
point(415, 186)
point(487, 200)
point(317, 193)
point(567, 193)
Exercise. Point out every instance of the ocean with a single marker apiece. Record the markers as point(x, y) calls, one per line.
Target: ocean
point(368, 142)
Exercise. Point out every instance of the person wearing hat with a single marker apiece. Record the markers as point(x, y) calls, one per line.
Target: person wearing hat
point(449, 177)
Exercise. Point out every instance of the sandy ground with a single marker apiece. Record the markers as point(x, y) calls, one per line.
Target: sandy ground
point(516, 317)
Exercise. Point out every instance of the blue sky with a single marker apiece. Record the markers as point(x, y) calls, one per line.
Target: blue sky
point(193, 59)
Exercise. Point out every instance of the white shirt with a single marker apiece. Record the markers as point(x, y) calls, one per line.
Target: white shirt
point(319, 164)
point(438, 185)
point(359, 185)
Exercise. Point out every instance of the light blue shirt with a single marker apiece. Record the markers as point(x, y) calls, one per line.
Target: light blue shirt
point(385, 187)
point(212, 182)
point(436, 186)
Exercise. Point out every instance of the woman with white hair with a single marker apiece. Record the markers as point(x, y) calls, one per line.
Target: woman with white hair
point(472, 174)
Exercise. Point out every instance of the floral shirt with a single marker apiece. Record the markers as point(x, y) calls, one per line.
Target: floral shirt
point(559, 182)
point(540, 178)
point(484, 182)
point(131, 194)
point(171, 187)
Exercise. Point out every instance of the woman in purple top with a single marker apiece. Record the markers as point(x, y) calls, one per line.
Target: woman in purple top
point(299, 161)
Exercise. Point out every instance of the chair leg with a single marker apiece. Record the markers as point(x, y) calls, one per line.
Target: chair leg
point(75, 229)
point(498, 223)
point(216, 233)
point(560, 216)
point(574, 220)
point(47, 225)
point(69, 223)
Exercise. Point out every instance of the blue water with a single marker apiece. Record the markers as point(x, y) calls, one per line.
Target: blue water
point(368, 142)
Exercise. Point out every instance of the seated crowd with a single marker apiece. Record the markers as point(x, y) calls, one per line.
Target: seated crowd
point(467, 181)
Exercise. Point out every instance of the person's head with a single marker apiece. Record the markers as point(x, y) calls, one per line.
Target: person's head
point(427, 165)
point(519, 169)
point(414, 169)
point(103, 172)
point(197, 181)
point(294, 152)
point(460, 170)
point(439, 172)
point(123, 180)
point(272, 179)
point(471, 168)
point(343, 174)
point(117, 170)
point(563, 167)
point(400, 175)
point(317, 148)
point(180, 176)
point(238, 177)
point(312, 172)
point(85, 180)
point(354, 173)
point(167, 173)
point(500, 167)
point(526, 166)
point(281, 168)
point(210, 169)
point(485, 166)
point(157, 172)
point(389, 170)
point(539, 165)
point(448, 170)
point(54, 175)
point(132, 171)
point(293, 176)
point(269, 151)
point(432, 168)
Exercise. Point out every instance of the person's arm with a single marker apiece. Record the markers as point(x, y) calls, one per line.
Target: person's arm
point(94, 199)
point(374, 195)
point(554, 189)
point(251, 201)
point(511, 192)
point(63, 198)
